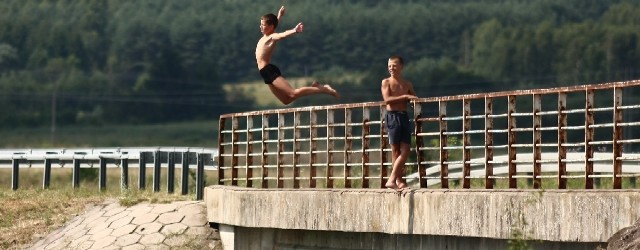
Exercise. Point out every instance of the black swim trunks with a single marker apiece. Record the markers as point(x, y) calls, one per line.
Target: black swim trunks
point(398, 127)
point(269, 73)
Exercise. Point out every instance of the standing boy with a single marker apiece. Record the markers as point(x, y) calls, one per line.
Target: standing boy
point(397, 92)
point(270, 73)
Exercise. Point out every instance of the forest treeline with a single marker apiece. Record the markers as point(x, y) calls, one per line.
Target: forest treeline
point(142, 61)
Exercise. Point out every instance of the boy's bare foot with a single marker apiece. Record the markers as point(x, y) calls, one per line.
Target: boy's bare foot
point(331, 91)
point(401, 185)
point(392, 185)
point(326, 88)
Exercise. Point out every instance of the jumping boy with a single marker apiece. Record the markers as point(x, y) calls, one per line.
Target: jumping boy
point(397, 92)
point(270, 73)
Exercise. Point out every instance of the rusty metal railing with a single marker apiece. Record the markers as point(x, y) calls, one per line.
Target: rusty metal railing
point(566, 137)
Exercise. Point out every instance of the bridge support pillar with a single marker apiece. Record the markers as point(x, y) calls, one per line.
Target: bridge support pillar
point(227, 236)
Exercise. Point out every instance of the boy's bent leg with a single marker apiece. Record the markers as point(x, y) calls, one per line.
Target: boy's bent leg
point(282, 90)
point(287, 94)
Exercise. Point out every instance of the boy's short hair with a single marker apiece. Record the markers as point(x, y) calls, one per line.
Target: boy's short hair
point(397, 57)
point(271, 19)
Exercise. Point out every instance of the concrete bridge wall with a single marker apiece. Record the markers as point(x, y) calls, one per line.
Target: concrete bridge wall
point(581, 218)
point(284, 239)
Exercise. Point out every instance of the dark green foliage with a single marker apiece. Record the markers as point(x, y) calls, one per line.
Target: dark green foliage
point(99, 61)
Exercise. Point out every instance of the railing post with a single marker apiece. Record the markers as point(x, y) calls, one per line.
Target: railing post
point(102, 180)
point(313, 147)
point(171, 171)
point(366, 116)
point(15, 174)
point(200, 176)
point(444, 153)
point(422, 172)
point(466, 141)
point(76, 173)
point(46, 178)
point(617, 137)
point(156, 171)
point(280, 153)
point(124, 173)
point(588, 138)
point(488, 143)
point(185, 172)
point(221, 152)
point(249, 151)
point(347, 147)
point(142, 171)
point(265, 149)
point(562, 139)
point(537, 140)
point(330, 134)
point(512, 151)
point(296, 150)
point(384, 143)
point(234, 151)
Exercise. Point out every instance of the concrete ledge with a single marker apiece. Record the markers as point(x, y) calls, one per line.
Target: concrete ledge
point(552, 215)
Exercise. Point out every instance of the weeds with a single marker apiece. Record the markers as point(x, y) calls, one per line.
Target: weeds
point(30, 213)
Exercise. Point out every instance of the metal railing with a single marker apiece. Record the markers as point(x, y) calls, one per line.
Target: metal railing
point(104, 158)
point(582, 133)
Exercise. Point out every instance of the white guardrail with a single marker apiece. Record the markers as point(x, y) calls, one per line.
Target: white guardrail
point(35, 157)
point(184, 158)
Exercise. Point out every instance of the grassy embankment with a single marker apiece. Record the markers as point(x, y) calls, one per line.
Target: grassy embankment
point(32, 211)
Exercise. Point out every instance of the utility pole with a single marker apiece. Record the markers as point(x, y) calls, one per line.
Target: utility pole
point(54, 103)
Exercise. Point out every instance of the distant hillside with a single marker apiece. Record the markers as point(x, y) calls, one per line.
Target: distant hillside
point(154, 61)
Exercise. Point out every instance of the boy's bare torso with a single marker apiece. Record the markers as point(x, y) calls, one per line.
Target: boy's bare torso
point(397, 87)
point(264, 49)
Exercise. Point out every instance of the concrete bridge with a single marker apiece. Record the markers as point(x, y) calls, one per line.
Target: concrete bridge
point(548, 168)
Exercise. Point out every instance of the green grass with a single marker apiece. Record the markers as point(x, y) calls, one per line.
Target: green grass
point(26, 213)
point(31, 210)
point(191, 134)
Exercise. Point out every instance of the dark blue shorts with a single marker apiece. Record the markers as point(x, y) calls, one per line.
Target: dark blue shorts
point(398, 127)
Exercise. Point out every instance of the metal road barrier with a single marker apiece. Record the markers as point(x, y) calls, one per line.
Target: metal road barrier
point(579, 133)
point(103, 158)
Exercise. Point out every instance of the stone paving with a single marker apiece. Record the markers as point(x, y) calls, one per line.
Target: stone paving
point(178, 225)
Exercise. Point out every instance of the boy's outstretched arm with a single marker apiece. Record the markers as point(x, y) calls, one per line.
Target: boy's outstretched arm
point(281, 12)
point(287, 33)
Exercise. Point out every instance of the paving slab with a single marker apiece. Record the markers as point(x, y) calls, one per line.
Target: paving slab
point(178, 225)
